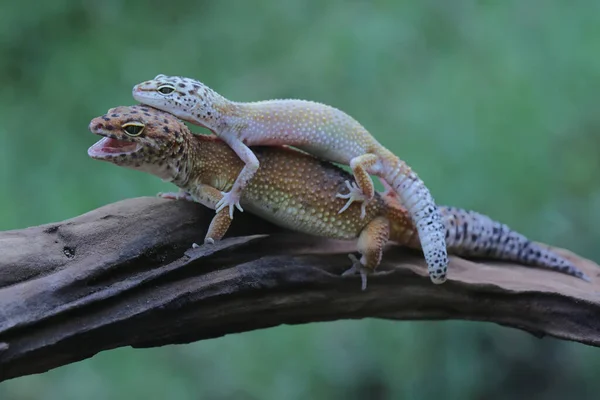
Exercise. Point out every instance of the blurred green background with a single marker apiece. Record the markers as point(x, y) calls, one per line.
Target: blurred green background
point(493, 103)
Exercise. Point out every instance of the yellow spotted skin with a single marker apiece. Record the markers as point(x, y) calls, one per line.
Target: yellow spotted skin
point(297, 191)
point(319, 129)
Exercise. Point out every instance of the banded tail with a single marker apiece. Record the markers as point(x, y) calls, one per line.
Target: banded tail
point(472, 234)
point(416, 198)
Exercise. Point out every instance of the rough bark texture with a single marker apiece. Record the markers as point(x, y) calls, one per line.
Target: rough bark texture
point(122, 275)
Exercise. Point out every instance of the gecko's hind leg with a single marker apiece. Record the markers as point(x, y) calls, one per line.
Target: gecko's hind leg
point(370, 245)
point(363, 190)
point(388, 190)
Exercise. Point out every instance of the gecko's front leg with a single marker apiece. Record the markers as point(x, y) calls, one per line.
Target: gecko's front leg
point(232, 198)
point(209, 196)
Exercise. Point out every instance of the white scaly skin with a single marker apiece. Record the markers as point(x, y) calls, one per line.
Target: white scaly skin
point(316, 128)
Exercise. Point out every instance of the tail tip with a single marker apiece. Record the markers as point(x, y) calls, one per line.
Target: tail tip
point(438, 279)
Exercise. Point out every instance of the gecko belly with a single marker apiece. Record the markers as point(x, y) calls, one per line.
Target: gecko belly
point(302, 220)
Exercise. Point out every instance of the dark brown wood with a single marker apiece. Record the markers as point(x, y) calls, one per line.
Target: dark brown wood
point(123, 275)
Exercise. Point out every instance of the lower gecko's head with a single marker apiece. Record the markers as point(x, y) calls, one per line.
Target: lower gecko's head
point(141, 138)
point(185, 98)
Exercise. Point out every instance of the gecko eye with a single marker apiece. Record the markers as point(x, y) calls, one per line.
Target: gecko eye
point(166, 89)
point(133, 128)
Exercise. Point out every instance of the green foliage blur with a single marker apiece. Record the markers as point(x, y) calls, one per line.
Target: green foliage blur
point(493, 103)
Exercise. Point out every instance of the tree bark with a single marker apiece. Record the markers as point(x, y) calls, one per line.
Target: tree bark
point(124, 275)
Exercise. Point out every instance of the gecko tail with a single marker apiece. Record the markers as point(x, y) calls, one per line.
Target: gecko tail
point(469, 233)
point(420, 205)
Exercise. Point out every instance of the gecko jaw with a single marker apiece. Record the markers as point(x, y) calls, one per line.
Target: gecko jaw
point(109, 147)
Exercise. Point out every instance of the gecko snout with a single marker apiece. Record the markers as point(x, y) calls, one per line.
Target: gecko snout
point(95, 125)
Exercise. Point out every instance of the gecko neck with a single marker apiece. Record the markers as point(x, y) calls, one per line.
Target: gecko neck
point(209, 161)
point(230, 115)
point(170, 160)
point(175, 166)
point(214, 111)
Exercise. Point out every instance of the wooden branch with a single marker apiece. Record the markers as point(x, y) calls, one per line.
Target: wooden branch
point(121, 276)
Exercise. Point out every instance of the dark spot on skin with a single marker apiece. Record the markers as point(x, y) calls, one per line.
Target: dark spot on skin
point(196, 86)
point(115, 115)
point(166, 129)
point(99, 126)
point(192, 92)
point(144, 109)
point(52, 229)
point(147, 114)
point(134, 112)
point(165, 121)
point(182, 85)
point(69, 251)
point(106, 118)
point(474, 237)
point(109, 127)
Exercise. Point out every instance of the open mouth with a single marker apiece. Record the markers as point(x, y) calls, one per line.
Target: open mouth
point(107, 147)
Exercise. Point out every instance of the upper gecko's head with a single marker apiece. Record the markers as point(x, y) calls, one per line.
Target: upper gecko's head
point(185, 98)
point(138, 137)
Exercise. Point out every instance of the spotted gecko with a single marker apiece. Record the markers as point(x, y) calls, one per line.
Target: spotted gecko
point(295, 191)
point(316, 128)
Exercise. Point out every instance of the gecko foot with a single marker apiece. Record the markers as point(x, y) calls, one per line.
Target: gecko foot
point(181, 195)
point(206, 241)
point(354, 194)
point(229, 199)
point(357, 267)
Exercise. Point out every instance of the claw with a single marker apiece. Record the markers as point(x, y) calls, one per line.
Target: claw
point(357, 267)
point(209, 241)
point(354, 194)
point(229, 200)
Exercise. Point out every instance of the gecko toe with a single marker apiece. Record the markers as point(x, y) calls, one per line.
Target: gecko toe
point(357, 267)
